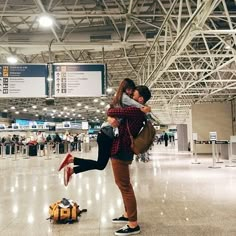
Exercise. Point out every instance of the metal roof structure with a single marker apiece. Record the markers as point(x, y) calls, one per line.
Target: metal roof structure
point(183, 50)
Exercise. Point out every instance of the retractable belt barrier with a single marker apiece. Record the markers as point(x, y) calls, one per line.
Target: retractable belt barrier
point(25, 151)
point(215, 152)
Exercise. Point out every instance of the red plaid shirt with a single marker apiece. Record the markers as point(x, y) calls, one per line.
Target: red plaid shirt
point(135, 119)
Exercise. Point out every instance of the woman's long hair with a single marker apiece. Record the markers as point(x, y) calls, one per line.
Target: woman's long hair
point(124, 84)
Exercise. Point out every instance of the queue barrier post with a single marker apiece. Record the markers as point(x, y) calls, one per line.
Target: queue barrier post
point(57, 149)
point(27, 152)
point(230, 151)
point(217, 152)
point(48, 151)
point(15, 156)
point(10, 146)
point(195, 152)
point(2, 150)
point(214, 156)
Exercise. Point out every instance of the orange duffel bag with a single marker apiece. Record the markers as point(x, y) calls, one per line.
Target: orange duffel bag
point(65, 211)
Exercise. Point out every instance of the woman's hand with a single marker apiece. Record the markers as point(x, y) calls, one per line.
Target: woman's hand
point(113, 121)
point(145, 109)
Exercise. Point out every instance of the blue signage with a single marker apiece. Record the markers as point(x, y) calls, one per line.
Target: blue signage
point(23, 80)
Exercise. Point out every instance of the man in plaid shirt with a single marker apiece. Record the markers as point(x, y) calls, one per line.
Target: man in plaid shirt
point(122, 156)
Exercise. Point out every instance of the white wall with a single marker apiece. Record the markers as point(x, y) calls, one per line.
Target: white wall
point(211, 117)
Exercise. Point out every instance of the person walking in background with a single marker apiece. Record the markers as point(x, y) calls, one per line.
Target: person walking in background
point(166, 139)
point(122, 157)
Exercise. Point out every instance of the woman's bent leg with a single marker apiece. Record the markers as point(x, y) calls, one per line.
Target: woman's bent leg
point(104, 149)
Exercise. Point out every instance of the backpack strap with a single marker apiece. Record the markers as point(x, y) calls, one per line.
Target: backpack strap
point(130, 135)
point(81, 211)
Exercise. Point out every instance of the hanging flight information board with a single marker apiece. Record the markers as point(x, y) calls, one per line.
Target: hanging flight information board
point(23, 80)
point(79, 80)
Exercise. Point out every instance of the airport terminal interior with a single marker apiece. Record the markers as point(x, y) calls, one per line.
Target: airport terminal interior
point(61, 64)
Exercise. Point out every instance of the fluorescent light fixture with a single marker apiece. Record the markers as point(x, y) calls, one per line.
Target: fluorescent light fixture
point(79, 104)
point(45, 21)
point(13, 108)
point(109, 90)
point(34, 107)
point(24, 109)
point(12, 59)
point(227, 46)
point(95, 100)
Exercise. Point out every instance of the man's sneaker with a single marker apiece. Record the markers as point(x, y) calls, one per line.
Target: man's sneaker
point(68, 171)
point(121, 219)
point(126, 230)
point(65, 161)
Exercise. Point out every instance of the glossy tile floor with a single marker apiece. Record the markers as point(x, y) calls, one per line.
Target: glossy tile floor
point(174, 196)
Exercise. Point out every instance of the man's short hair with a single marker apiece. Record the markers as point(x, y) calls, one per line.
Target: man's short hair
point(144, 92)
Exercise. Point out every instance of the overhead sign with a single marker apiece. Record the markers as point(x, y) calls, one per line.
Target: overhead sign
point(79, 80)
point(23, 80)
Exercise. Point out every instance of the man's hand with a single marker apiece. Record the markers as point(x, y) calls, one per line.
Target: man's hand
point(145, 109)
point(113, 121)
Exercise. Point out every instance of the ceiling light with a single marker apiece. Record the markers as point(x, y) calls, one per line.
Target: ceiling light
point(13, 108)
point(65, 108)
point(24, 109)
point(49, 79)
point(17, 112)
point(79, 115)
point(86, 107)
point(98, 111)
point(78, 104)
point(227, 46)
point(34, 106)
point(45, 108)
point(12, 59)
point(36, 115)
point(102, 103)
point(95, 100)
point(109, 90)
point(45, 21)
